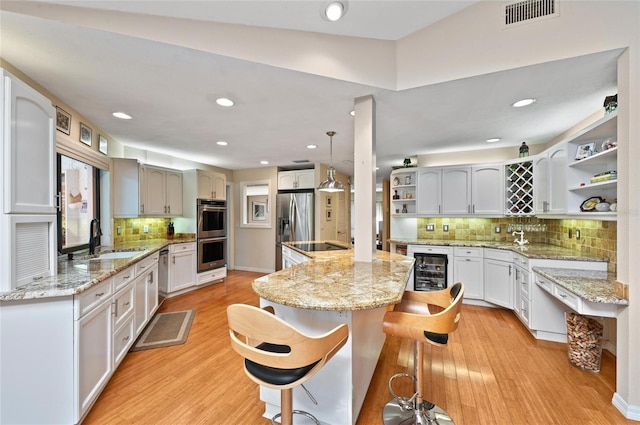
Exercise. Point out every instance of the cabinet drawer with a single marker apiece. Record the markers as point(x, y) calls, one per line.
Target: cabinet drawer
point(213, 275)
point(429, 249)
point(525, 285)
point(123, 305)
point(567, 297)
point(498, 254)
point(464, 251)
point(144, 265)
point(182, 247)
point(521, 261)
point(122, 339)
point(123, 278)
point(92, 297)
point(524, 310)
point(544, 284)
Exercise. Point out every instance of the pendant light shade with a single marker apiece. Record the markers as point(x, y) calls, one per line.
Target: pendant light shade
point(331, 184)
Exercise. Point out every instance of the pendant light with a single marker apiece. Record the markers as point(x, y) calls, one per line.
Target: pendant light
point(331, 184)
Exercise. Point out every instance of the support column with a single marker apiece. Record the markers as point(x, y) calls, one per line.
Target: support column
point(365, 178)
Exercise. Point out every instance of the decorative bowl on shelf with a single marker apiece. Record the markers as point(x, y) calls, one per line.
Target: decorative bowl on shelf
point(602, 207)
point(590, 204)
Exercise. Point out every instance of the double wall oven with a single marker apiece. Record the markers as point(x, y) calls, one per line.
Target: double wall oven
point(211, 234)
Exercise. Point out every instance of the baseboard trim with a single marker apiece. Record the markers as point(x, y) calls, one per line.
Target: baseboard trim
point(253, 269)
point(629, 411)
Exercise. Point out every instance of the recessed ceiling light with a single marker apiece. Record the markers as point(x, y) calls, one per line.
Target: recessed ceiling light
point(223, 101)
point(264, 162)
point(122, 115)
point(493, 140)
point(523, 102)
point(333, 10)
point(312, 146)
point(221, 143)
point(353, 113)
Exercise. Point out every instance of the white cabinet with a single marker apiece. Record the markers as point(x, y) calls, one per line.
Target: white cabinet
point(591, 176)
point(487, 194)
point(498, 283)
point(182, 266)
point(146, 291)
point(520, 180)
point(550, 180)
point(123, 329)
point(28, 248)
point(403, 192)
point(522, 288)
point(161, 191)
point(429, 190)
point(456, 190)
point(93, 331)
point(296, 179)
point(211, 185)
point(28, 149)
point(291, 257)
point(125, 178)
point(468, 267)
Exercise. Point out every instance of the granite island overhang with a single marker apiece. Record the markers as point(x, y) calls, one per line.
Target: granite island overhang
point(318, 295)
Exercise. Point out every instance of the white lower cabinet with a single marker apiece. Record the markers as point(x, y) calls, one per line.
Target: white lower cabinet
point(498, 277)
point(468, 267)
point(182, 266)
point(145, 292)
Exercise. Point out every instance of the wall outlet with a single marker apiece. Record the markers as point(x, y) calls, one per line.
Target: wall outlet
point(577, 234)
point(145, 228)
point(431, 227)
point(445, 227)
point(118, 230)
point(497, 229)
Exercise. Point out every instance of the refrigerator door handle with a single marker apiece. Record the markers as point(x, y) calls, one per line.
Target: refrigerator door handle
point(292, 218)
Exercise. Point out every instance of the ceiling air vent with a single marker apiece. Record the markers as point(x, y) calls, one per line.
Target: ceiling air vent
point(529, 10)
point(300, 161)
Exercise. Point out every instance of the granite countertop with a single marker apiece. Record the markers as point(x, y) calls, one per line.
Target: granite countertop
point(82, 273)
point(593, 286)
point(332, 280)
point(536, 251)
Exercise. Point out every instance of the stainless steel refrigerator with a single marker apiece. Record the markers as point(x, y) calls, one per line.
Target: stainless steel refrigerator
point(294, 219)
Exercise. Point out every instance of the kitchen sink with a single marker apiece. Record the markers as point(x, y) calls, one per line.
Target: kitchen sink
point(116, 255)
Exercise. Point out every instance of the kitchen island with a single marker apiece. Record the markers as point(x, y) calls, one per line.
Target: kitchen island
point(318, 295)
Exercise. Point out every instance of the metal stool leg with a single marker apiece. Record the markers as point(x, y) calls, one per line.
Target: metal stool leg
point(413, 410)
point(297, 412)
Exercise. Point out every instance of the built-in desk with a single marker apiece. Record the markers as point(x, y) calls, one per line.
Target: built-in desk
point(318, 295)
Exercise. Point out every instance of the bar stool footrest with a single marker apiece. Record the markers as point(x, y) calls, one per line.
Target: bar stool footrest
point(297, 412)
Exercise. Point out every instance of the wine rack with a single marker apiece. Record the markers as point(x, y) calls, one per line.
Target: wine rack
point(519, 195)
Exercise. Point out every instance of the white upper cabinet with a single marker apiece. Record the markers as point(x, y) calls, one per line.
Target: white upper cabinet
point(429, 189)
point(211, 185)
point(550, 180)
point(456, 190)
point(296, 179)
point(28, 149)
point(174, 192)
point(487, 190)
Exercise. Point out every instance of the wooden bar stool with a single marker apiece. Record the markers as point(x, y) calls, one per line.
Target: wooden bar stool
point(279, 356)
point(421, 317)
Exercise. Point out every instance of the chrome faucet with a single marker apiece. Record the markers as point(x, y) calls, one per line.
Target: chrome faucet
point(94, 235)
point(522, 241)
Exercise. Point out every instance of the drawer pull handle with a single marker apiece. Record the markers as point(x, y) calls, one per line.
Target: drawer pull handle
point(126, 338)
point(563, 295)
point(127, 276)
point(100, 294)
point(35, 279)
point(126, 304)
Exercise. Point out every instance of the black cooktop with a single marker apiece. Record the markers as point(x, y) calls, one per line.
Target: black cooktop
point(318, 246)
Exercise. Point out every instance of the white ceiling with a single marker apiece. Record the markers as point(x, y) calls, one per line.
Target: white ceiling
point(170, 90)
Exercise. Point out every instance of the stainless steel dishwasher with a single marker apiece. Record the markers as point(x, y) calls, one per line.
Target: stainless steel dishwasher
point(163, 275)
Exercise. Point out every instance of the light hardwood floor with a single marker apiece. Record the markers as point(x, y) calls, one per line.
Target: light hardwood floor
point(491, 372)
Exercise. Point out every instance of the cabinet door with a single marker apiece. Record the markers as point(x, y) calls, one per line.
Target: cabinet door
point(429, 186)
point(182, 270)
point(126, 188)
point(155, 191)
point(487, 190)
point(470, 271)
point(286, 180)
point(306, 179)
point(541, 183)
point(151, 282)
point(174, 193)
point(456, 190)
point(558, 179)
point(94, 354)
point(140, 314)
point(205, 185)
point(498, 287)
point(29, 149)
point(219, 187)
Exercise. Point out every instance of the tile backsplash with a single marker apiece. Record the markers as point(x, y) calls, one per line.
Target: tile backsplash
point(132, 229)
point(596, 237)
